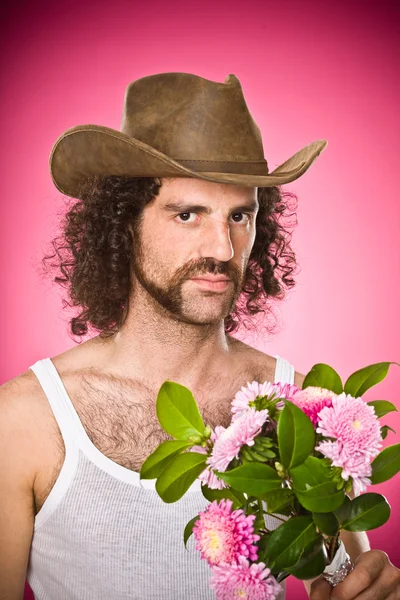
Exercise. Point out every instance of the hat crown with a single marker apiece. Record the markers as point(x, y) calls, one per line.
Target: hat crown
point(192, 119)
point(175, 125)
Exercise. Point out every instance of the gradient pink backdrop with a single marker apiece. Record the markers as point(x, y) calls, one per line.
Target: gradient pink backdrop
point(308, 70)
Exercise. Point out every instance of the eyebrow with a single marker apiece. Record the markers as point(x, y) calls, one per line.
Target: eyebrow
point(181, 207)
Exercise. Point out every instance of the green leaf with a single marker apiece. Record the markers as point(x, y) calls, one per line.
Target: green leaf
point(322, 375)
point(286, 544)
point(364, 379)
point(326, 522)
point(315, 567)
point(238, 499)
point(312, 562)
point(155, 462)
point(254, 479)
point(296, 435)
point(342, 513)
point(277, 499)
point(189, 529)
point(385, 429)
point(178, 412)
point(386, 464)
point(179, 475)
point(323, 498)
point(310, 473)
point(368, 511)
point(314, 487)
point(382, 407)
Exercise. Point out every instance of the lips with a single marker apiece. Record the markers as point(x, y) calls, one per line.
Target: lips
point(214, 284)
point(212, 279)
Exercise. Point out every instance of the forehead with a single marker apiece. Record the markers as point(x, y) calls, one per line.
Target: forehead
point(198, 190)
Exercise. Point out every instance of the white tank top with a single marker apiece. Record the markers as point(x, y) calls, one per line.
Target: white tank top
point(103, 534)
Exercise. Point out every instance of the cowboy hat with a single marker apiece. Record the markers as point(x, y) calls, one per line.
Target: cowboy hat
point(176, 125)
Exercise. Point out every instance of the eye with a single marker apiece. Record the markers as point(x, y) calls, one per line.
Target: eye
point(240, 214)
point(186, 215)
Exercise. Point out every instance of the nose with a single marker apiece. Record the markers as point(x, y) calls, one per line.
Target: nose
point(216, 241)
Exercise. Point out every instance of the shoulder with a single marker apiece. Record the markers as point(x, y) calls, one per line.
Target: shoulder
point(24, 412)
point(22, 401)
point(20, 394)
point(298, 379)
point(264, 364)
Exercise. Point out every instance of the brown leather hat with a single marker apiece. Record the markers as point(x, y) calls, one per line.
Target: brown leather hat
point(176, 125)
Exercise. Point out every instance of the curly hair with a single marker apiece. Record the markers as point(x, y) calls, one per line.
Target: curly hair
point(92, 256)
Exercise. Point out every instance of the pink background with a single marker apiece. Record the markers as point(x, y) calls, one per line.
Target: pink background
point(309, 70)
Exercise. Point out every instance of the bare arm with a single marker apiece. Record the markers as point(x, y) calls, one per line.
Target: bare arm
point(16, 489)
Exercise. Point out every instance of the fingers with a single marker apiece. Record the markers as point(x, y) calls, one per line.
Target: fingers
point(386, 586)
point(373, 578)
point(368, 567)
point(320, 589)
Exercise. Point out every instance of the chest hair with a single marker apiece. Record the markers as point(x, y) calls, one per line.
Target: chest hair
point(120, 417)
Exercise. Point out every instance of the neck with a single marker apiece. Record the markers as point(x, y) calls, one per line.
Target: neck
point(155, 345)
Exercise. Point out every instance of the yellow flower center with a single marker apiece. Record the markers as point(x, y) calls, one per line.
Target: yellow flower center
point(213, 543)
point(357, 424)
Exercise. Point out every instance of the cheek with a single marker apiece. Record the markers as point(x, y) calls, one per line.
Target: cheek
point(177, 245)
point(246, 250)
point(243, 242)
point(160, 255)
point(251, 241)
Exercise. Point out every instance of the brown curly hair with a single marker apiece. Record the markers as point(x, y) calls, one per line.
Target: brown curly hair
point(92, 256)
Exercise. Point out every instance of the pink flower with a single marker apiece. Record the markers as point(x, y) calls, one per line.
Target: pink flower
point(251, 391)
point(208, 477)
point(354, 464)
point(287, 390)
point(357, 438)
point(248, 393)
point(228, 442)
point(313, 399)
point(224, 536)
point(243, 581)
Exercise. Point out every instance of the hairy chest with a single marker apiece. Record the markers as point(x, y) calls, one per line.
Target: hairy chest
point(120, 419)
point(122, 423)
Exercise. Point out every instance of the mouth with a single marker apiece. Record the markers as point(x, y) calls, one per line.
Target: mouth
point(212, 283)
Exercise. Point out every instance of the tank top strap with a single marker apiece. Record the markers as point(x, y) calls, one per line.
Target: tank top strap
point(48, 378)
point(284, 371)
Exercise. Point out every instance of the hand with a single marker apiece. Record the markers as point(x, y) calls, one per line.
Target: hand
point(373, 578)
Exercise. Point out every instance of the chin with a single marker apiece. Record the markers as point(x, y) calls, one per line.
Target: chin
point(205, 319)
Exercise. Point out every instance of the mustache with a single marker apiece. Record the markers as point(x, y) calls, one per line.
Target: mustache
point(210, 266)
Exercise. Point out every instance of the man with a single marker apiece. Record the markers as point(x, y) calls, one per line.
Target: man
point(177, 215)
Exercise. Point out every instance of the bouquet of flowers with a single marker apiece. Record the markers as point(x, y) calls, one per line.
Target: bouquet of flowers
point(289, 453)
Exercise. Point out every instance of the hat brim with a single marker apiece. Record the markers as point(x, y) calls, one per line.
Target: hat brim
point(87, 150)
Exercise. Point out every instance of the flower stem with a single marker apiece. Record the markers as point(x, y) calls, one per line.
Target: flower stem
point(276, 517)
point(332, 548)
